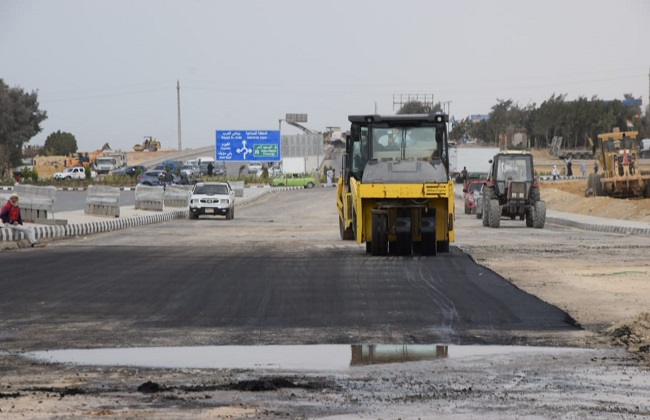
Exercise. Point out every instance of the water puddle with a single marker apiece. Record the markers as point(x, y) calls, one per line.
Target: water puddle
point(299, 357)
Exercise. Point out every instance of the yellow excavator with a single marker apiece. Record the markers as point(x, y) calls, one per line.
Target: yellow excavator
point(618, 156)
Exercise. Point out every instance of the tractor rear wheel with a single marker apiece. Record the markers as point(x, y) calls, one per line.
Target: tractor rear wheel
point(485, 217)
point(534, 194)
point(494, 214)
point(540, 215)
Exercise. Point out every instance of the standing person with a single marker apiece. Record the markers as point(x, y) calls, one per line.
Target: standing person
point(169, 177)
point(596, 167)
point(569, 171)
point(10, 215)
point(555, 172)
point(210, 168)
point(463, 174)
point(330, 176)
point(583, 169)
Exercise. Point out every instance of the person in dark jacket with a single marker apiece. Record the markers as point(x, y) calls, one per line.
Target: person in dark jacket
point(10, 215)
point(210, 168)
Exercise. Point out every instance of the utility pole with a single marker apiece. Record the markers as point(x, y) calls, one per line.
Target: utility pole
point(178, 107)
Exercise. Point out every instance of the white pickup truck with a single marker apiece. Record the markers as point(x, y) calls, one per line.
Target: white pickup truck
point(76, 172)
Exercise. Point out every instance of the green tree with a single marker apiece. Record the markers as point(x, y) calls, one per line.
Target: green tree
point(20, 120)
point(417, 107)
point(548, 118)
point(462, 129)
point(499, 120)
point(60, 144)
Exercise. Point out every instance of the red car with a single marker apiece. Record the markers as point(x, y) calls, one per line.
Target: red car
point(471, 190)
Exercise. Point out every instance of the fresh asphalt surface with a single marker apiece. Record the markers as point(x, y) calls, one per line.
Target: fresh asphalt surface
point(275, 271)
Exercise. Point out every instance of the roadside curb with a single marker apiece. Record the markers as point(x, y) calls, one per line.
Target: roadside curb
point(625, 230)
point(76, 229)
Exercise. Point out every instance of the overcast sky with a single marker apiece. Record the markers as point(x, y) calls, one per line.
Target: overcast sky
point(106, 71)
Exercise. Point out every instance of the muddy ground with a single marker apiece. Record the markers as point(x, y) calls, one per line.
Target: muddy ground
point(601, 281)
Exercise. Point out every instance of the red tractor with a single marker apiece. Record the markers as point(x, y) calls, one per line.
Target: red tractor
point(513, 191)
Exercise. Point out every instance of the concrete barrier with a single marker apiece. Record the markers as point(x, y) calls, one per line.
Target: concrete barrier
point(36, 203)
point(149, 198)
point(177, 195)
point(102, 200)
point(238, 187)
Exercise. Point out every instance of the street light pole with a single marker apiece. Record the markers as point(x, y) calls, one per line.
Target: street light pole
point(178, 106)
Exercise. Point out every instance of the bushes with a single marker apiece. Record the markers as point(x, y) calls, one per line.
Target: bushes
point(29, 175)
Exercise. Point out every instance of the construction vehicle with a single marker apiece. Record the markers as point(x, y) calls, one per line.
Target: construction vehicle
point(150, 144)
point(513, 191)
point(109, 161)
point(394, 193)
point(334, 136)
point(618, 156)
point(557, 151)
point(83, 159)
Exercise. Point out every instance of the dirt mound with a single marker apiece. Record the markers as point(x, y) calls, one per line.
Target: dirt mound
point(568, 196)
point(633, 334)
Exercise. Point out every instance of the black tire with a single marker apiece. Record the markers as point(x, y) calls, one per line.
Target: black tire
point(443, 246)
point(404, 244)
point(485, 219)
point(346, 234)
point(495, 214)
point(309, 185)
point(379, 243)
point(467, 210)
point(540, 215)
point(530, 217)
point(599, 191)
point(535, 194)
point(591, 185)
point(428, 245)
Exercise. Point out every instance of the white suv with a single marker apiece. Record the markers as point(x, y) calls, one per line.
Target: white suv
point(212, 198)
